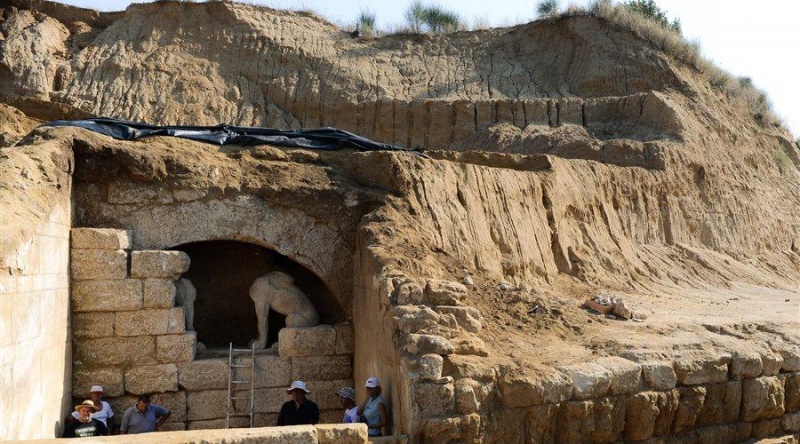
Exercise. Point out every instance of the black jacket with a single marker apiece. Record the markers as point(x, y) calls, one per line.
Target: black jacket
point(307, 413)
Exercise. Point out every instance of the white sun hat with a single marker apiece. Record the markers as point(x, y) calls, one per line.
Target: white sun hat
point(298, 385)
point(347, 392)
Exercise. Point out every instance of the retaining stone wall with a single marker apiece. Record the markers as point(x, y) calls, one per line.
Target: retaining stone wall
point(721, 395)
point(130, 338)
point(319, 434)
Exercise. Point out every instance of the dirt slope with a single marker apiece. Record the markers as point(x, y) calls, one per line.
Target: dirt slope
point(566, 159)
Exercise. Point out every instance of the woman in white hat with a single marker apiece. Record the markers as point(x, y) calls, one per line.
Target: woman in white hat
point(299, 410)
point(102, 410)
point(373, 409)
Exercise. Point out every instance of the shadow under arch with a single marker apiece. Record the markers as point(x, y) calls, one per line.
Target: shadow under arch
point(222, 271)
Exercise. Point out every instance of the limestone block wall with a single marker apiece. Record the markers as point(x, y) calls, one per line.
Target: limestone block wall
point(695, 395)
point(127, 333)
point(305, 434)
point(434, 323)
point(444, 395)
point(405, 328)
point(34, 328)
point(130, 338)
point(321, 356)
point(162, 218)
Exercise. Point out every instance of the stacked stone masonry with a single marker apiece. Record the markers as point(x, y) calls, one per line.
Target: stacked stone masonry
point(695, 395)
point(305, 434)
point(130, 338)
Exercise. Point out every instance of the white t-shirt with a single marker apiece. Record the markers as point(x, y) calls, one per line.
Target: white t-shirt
point(351, 415)
point(102, 415)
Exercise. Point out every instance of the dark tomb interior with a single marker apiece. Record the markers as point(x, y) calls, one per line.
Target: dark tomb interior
point(223, 271)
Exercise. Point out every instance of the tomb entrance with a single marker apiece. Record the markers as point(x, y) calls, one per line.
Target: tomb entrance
point(222, 272)
point(129, 333)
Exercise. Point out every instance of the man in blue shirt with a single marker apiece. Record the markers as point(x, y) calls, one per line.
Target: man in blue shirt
point(143, 417)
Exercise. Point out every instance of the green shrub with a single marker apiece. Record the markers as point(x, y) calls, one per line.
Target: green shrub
point(547, 8)
point(745, 82)
point(649, 9)
point(415, 16)
point(440, 20)
point(433, 18)
point(366, 23)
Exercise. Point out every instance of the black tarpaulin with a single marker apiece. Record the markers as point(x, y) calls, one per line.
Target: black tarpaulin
point(317, 139)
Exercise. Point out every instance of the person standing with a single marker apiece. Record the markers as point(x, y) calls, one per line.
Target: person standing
point(84, 426)
point(348, 398)
point(300, 410)
point(102, 411)
point(373, 408)
point(143, 417)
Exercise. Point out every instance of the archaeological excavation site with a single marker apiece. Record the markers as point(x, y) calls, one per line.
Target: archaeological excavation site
point(558, 231)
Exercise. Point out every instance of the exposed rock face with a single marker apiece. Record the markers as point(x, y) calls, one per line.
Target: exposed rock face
point(565, 158)
point(16, 125)
point(32, 52)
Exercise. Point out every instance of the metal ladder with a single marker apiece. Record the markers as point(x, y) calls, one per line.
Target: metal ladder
point(237, 383)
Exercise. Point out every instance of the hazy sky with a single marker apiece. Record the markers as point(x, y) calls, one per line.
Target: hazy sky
point(758, 39)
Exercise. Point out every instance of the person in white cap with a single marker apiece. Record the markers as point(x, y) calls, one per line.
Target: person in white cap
point(373, 409)
point(102, 411)
point(84, 426)
point(300, 410)
point(348, 397)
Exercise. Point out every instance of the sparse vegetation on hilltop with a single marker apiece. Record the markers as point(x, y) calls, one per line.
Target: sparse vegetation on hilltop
point(432, 18)
point(547, 9)
point(649, 9)
point(366, 23)
point(650, 23)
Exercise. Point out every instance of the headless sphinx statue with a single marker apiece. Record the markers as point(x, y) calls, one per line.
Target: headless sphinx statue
point(276, 291)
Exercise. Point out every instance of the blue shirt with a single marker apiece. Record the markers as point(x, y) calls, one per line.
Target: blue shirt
point(373, 415)
point(351, 415)
point(134, 421)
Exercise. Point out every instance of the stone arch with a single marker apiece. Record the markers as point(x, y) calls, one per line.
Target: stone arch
point(321, 249)
point(222, 272)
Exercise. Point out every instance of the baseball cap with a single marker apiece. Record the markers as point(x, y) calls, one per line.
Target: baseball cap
point(96, 388)
point(372, 382)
